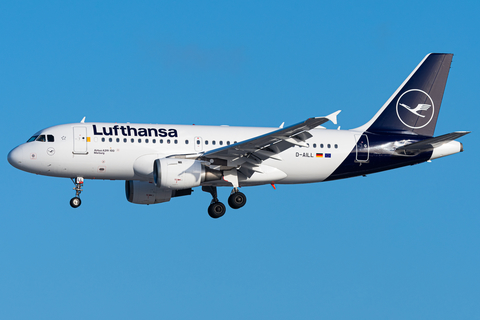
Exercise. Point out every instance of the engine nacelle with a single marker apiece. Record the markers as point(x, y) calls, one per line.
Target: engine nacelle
point(180, 174)
point(144, 192)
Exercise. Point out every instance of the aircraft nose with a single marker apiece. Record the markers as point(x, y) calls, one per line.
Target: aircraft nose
point(15, 157)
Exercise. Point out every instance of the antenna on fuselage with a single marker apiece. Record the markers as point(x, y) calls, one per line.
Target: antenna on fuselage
point(83, 120)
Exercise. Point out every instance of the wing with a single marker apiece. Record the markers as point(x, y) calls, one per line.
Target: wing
point(430, 143)
point(252, 152)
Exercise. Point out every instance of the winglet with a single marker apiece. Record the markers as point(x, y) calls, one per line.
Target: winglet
point(333, 117)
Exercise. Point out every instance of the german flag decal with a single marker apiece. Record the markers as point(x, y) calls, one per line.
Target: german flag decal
point(319, 155)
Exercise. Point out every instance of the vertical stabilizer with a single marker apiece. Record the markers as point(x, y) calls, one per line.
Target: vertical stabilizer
point(415, 106)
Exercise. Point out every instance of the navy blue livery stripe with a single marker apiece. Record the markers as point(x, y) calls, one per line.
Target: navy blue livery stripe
point(381, 156)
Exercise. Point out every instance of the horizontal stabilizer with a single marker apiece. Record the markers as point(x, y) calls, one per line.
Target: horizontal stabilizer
point(431, 143)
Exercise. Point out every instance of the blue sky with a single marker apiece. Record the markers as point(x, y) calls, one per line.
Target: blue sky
point(394, 245)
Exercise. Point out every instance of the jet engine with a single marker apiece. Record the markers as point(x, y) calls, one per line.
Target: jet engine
point(144, 192)
point(180, 174)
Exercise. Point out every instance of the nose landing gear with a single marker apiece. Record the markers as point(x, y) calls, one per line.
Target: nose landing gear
point(75, 202)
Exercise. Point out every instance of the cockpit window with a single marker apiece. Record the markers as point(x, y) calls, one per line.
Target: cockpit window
point(50, 138)
point(41, 138)
point(33, 138)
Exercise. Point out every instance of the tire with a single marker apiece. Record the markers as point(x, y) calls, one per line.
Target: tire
point(75, 202)
point(216, 210)
point(237, 200)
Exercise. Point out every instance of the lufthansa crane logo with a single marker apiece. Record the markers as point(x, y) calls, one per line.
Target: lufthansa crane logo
point(415, 108)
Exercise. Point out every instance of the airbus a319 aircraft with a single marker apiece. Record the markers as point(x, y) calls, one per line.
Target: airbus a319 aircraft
point(160, 162)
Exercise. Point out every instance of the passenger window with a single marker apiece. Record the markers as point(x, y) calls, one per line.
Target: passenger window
point(336, 146)
point(50, 138)
point(41, 138)
point(146, 140)
point(124, 139)
point(103, 139)
point(132, 140)
point(221, 143)
point(213, 142)
point(168, 141)
point(110, 139)
point(175, 141)
point(321, 145)
point(206, 142)
point(314, 145)
point(228, 143)
point(118, 139)
point(154, 140)
point(161, 141)
point(328, 146)
point(139, 140)
point(186, 141)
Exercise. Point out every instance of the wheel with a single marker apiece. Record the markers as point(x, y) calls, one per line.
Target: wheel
point(75, 202)
point(216, 210)
point(237, 200)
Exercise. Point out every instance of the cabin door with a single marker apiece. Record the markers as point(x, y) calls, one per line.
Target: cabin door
point(80, 140)
point(362, 148)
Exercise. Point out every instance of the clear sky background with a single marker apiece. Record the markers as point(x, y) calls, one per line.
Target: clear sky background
point(402, 244)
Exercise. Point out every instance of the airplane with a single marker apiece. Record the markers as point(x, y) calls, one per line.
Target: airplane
point(159, 162)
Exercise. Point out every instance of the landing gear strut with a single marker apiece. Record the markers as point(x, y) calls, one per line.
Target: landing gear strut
point(75, 202)
point(216, 209)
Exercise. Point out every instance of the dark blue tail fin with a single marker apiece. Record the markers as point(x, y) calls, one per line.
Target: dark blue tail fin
point(414, 107)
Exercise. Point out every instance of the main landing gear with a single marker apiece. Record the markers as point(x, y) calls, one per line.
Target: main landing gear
point(216, 209)
point(75, 202)
point(236, 200)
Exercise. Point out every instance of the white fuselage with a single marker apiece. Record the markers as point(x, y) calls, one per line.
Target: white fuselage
point(85, 150)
